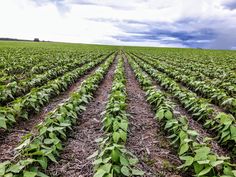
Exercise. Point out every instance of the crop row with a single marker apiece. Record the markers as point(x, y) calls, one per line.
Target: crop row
point(13, 59)
point(113, 159)
point(212, 64)
point(197, 157)
point(33, 101)
point(21, 63)
point(221, 80)
point(37, 150)
point(222, 124)
point(217, 96)
point(17, 64)
point(199, 71)
point(15, 89)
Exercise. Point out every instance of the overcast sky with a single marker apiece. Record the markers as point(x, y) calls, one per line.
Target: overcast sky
point(170, 23)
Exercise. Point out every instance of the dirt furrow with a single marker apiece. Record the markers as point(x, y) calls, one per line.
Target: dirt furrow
point(146, 139)
point(180, 111)
point(11, 138)
point(81, 143)
point(184, 86)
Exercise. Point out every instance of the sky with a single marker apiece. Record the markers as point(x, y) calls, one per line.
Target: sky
point(161, 23)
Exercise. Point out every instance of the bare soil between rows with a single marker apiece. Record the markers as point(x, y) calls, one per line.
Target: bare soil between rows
point(194, 125)
point(146, 139)
point(183, 85)
point(73, 160)
point(12, 137)
point(180, 111)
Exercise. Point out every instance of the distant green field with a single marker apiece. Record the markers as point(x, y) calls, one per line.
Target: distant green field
point(40, 44)
point(116, 111)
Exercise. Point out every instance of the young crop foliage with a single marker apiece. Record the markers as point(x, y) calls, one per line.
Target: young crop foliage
point(221, 123)
point(197, 156)
point(37, 150)
point(113, 159)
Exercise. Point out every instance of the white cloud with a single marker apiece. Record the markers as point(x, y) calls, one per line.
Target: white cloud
point(78, 20)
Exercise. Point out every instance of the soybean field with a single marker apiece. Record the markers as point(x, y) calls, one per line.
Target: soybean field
point(77, 110)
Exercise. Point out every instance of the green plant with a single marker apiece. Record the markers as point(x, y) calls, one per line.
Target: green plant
point(113, 159)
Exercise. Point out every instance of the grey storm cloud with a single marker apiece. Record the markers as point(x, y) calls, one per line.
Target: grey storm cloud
point(191, 31)
point(230, 5)
point(166, 32)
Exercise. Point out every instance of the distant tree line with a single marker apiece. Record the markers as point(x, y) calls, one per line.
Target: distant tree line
point(14, 39)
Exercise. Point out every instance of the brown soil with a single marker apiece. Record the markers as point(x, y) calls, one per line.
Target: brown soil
point(146, 139)
point(81, 143)
point(180, 111)
point(215, 107)
point(7, 103)
point(12, 137)
point(194, 125)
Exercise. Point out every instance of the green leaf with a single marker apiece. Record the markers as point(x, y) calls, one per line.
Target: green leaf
point(48, 141)
point(100, 173)
point(11, 118)
point(98, 161)
point(15, 168)
point(125, 171)
point(106, 167)
point(168, 114)
point(43, 161)
point(124, 161)
point(205, 171)
point(65, 124)
point(3, 123)
point(228, 171)
point(188, 161)
point(123, 135)
point(202, 162)
point(215, 163)
point(184, 148)
point(70, 106)
point(225, 118)
point(40, 174)
point(137, 172)
point(133, 161)
point(233, 131)
point(3, 167)
point(29, 174)
point(106, 160)
point(116, 168)
point(197, 167)
point(192, 132)
point(8, 175)
point(201, 153)
point(116, 125)
point(124, 125)
point(26, 161)
point(116, 137)
point(51, 157)
point(115, 155)
point(160, 114)
point(43, 130)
